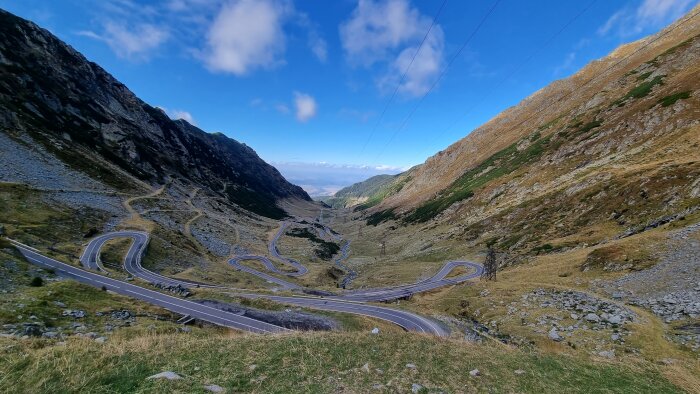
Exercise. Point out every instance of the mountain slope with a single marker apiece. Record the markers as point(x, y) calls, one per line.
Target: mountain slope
point(94, 123)
point(608, 151)
point(360, 192)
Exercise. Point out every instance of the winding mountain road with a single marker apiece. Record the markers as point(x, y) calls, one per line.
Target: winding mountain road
point(348, 302)
point(173, 304)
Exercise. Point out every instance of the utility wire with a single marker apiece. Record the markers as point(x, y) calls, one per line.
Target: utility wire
point(605, 72)
point(515, 70)
point(442, 74)
point(403, 77)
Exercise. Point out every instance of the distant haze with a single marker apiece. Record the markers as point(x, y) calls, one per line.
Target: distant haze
point(324, 179)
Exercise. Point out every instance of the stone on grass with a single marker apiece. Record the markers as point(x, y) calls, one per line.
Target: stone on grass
point(519, 372)
point(474, 373)
point(607, 353)
point(415, 388)
point(365, 368)
point(375, 330)
point(101, 339)
point(411, 366)
point(170, 375)
point(214, 388)
point(554, 335)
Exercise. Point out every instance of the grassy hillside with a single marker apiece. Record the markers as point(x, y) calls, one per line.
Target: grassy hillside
point(610, 162)
point(352, 363)
point(361, 192)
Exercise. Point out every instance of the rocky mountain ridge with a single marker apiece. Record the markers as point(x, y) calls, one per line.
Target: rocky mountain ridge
point(91, 121)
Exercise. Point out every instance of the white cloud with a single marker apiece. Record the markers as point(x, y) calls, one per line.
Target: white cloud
point(425, 68)
point(305, 105)
point(184, 115)
point(177, 114)
point(135, 43)
point(389, 32)
point(318, 46)
point(282, 108)
point(650, 14)
point(566, 64)
point(245, 35)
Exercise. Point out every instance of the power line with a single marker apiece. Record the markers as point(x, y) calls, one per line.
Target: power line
point(442, 74)
point(403, 77)
point(604, 72)
point(516, 69)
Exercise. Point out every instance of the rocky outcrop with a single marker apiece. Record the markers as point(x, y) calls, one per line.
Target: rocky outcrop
point(94, 123)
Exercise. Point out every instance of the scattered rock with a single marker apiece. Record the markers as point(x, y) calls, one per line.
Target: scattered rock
point(607, 353)
point(416, 388)
point(554, 335)
point(76, 314)
point(177, 289)
point(32, 330)
point(50, 335)
point(474, 373)
point(101, 339)
point(592, 317)
point(169, 375)
point(519, 372)
point(121, 315)
point(375, 330)
point(365, 368)
point(214, 388)
point(614, 319)
point(411, 366)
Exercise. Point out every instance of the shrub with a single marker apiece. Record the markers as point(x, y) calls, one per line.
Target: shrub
point(670, 100)
point(37, 281)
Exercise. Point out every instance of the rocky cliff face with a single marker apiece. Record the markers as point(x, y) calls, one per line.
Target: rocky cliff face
point(96, 124)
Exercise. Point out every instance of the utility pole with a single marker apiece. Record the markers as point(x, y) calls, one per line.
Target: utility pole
point(383, 251)
point(490, 265)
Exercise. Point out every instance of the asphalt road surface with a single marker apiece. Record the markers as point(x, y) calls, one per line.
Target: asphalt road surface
point(90, 259)
point(173, 304)
point(348, 302)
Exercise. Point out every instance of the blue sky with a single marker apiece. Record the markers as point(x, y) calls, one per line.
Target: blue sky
point(305, 82)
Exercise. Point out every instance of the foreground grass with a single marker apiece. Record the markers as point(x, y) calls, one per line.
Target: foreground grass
point(330, 362)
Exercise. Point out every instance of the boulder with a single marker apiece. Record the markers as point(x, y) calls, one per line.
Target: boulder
point(554, 335)
point(592, 317)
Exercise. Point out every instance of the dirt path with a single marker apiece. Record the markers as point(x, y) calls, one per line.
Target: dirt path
point(188, 225)
point(135, 219)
